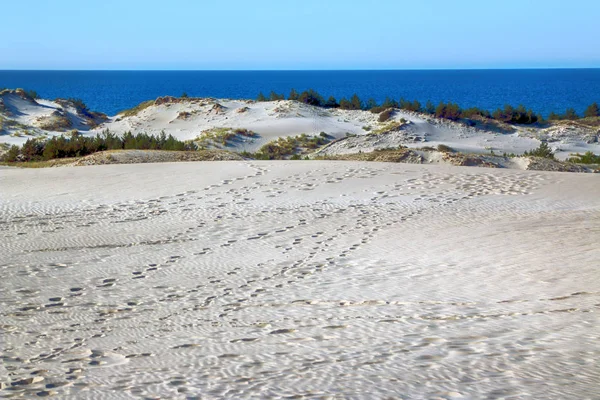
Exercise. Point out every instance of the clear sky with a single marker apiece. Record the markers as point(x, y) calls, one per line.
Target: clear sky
point(298, 34)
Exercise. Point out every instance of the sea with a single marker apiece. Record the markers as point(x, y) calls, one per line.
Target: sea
point(542, 90)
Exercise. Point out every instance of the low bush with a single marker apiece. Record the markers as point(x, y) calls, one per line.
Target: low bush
point(543, 151)
point(587, 158)
point(386, 115)
point(445, 149)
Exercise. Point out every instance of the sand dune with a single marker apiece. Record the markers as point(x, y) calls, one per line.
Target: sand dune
point(299, 279)
point(194, 118)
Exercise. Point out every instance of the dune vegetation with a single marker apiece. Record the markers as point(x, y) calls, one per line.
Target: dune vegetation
point(77, 145)
point(452, 111)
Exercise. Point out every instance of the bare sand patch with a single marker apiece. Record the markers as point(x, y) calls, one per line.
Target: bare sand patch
point(318, 278)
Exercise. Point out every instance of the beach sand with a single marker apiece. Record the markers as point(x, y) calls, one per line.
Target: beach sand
point(306, 279)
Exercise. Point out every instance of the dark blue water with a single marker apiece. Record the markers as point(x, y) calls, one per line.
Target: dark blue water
point(111, 91)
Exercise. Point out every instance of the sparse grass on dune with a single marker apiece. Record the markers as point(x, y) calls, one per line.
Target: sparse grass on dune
point(586, 158)
point(391, 126)
point(6, 124)
point(41, 164)
point(137, 109)
point(57, 122)
point(587, 122)
point(222, 136)
point(398, 155)
point(291, 146)
point(130, 157)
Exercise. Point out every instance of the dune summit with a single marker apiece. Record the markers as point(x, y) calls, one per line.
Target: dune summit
point(284, 279)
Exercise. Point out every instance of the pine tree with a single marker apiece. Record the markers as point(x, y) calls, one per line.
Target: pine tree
point(355, 102)
point(345, 104)
point(274, 96)
point(440, 110)
point(429, 107)
point(261, 97)
point(570, 114)
point(331, 102)
point(389, 103)
point(293, 95)
point(311, 97)
point(415, 106)
point(371, 103)
point(404, 104)
point(553, 116)
point(592, 110)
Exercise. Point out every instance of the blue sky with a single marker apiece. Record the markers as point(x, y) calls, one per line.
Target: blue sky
point(299, 34)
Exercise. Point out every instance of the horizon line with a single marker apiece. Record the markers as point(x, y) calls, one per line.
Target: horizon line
point(299, 70)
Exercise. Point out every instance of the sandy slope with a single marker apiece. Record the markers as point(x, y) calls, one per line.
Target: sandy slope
point(269, 120)
point(315, 279)
point(22, 117)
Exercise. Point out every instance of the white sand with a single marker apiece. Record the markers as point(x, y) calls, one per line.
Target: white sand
point(315, 279)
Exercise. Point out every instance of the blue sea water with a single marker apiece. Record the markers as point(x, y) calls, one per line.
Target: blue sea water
point(543, 90)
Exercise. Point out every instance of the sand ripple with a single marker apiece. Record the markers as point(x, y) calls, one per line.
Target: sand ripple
point(298, 280)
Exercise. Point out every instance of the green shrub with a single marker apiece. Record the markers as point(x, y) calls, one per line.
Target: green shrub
point(587, 158)
point(12, 154)
point(542, 151)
